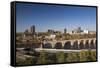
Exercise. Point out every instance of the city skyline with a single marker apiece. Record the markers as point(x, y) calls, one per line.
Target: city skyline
point(55, 17)
point(64, 30)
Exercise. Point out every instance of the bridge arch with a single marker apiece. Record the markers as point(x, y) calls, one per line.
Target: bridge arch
point(67, 45)
point(47, 45)
point(87, 44)
point(92, 44)
point(75, 45)
point(81, 44)
point(58, 45)
point(95, 44)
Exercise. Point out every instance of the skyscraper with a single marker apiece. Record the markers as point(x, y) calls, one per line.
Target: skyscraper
point(32, 29)
point(79, 30)
point(65, 31)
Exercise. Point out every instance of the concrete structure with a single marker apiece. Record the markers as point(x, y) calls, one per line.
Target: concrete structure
point(85, 31)
point(71, 44)
point(52, 36)
point(60, 50)
point(76, 44)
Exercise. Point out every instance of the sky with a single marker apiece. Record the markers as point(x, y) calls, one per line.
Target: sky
point(56, 17)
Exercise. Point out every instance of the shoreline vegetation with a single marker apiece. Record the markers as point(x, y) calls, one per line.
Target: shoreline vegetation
point(60, 57)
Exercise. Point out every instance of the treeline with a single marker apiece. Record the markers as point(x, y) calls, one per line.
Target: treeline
point(74, 36)
point(42, 36)
point(61, 57)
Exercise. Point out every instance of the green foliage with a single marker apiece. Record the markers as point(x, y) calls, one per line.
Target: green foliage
point(27, 61)
point(91, 55)
point(43, 34)
point(51, 58)
point(78, 36)
point(72, 57)
point(42, 58)
point(83, 56)
point(88, 55)
point(58, 37)
point(60, 57)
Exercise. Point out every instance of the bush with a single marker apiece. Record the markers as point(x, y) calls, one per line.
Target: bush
point(60, 57)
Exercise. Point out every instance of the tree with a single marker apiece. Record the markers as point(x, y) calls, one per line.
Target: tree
point(42, 58)
point(60, 57)
point(82, 56)
point(51, 58)
point(27, 61)
point(72, 57)
point(91, 55)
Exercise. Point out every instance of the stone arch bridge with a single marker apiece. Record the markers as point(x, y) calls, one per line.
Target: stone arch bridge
point(70, 44)
point(75, 44)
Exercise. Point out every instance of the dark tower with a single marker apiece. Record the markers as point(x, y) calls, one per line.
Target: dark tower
point(78, 29)
point(65, 31)
point(32, 29)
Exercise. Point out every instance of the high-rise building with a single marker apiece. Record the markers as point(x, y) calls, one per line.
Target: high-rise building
point(65, 31)
point(26, 31)
point(51, 31)
point(32, 29)
point(79, 30)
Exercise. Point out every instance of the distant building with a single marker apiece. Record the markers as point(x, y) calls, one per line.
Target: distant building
point(53, 31)
point(50, 31)
point(77, 31)
point(30, 30)
point(26, 31)
point(52, 36)
point(85, 31)
point(65, 31)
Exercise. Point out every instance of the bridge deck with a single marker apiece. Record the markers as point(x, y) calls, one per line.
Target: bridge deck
point(60, 50)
